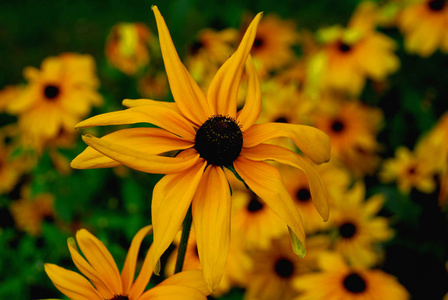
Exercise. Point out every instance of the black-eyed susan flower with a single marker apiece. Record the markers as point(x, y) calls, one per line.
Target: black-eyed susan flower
point(350, 55)
point(429, 33)
point(210, 135)
point(276, 268)
point(56, 98)
point(410, 170)
point(104, 281)
point(127, 47)
point(358, 228)
point(337, 280)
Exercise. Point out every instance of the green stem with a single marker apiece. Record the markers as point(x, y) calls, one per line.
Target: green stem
point(186, 226)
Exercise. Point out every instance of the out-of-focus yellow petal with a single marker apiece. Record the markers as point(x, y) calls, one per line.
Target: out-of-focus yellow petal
point(71, 284)
point(99, 258)
point(187, 94)
point(171, 199)
point(136, 159)
point(189, 278)
point(313, 142)
point(223, 90)
point(128, 272)
point(317, 187)
point(211, 217)
point(98, 281)
point(158, 115)
point(170, 292)
point(252, 108)
point(265, 181)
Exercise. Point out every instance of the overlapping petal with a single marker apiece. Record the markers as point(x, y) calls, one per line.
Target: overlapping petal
point(171, 199)
point(282, 155)
point(152, 141)
point(266, 182)
point(223, 90)
point(187, 94)
point(313, 142)
point(249, 114)
point(172, 292)
point(71, 284)
point(189, 278)
point(137, 159)
point(143, 102)
point(158, 115)
point(211, 217)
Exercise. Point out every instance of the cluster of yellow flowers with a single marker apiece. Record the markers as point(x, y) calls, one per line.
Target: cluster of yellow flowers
point(240, 167)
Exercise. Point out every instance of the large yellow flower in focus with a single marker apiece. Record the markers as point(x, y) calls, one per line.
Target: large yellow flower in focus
point(57, 97)
point(106, 282)
point(424, 24)
point(211, 134)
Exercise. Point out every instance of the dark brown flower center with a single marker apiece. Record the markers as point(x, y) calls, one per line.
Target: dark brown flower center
point(303, 195)
point(120, 297)
point(284, 267)
point(354, 283)
point(219, 140)
point(436, 5)
point(344, 47)
point(196, 47)
point(347, 230)
point(258, 42)
point(281, 119)
point(51, 91)
point(254, 205)
point(337, 126)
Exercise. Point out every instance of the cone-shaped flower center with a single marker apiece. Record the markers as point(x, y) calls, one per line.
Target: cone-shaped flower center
point(120, 297)
point(436, 5)
point(347, 230)
point(219, 140)
point(303, 195)
point(51, 91)
point(284, 267)
point(354, 283)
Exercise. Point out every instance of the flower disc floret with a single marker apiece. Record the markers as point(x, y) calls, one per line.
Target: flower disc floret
point(219, 140)
point(354, 283)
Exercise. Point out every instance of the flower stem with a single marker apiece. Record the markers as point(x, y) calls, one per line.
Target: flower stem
point(186, 226)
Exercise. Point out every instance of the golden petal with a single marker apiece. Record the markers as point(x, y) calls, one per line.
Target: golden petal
point(170, 292)
point(189, 278)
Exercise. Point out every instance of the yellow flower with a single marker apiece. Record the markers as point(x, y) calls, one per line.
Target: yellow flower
point(275, 269)
point(429, 33)
point(212, 135)
point(358, 228)
point(339, 281)
point(57, 96)
point(105, 281)
point(127, 47)
point(409, 170)
point(352, 54)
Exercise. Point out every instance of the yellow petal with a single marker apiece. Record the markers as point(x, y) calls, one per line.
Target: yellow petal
point(189, 278)
point(140, 102)
point(170, 292)
point(317, 187)
point(171, 199)
point(160, 116)
point(211, 217)
point(313, 142)
point(71, 284)
point(128, 272)
point(143, 278)
point(223, 90)
point(252, 108)
point(100, 259)
point(266, 182)
point(98, 281)
point(187, 94)
point(136, 159)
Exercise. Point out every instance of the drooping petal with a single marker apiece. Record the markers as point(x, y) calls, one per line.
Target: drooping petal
point(252, 108)
point(128, 272)
point(152, 141)
point(137, 159)
point(223, 90)
point(187, 94)
point(85, 268)
point(211, 217)
point(100, 259)
point(266, 182)
point(170, 292)
point(158, 115)
point(189, 278)
point(318, 190)
point(171, 199)
point(313, 142)
point(71, 284)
